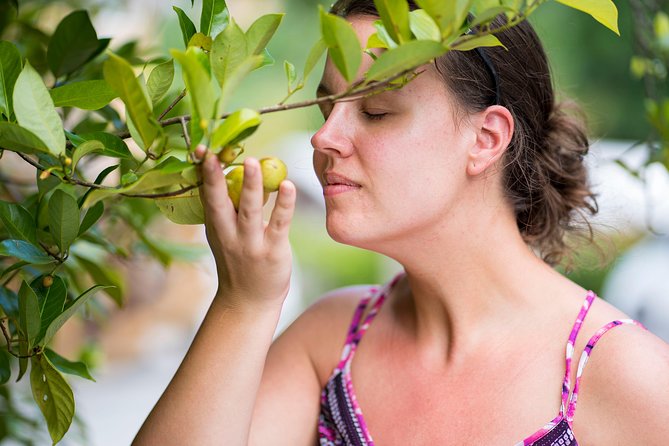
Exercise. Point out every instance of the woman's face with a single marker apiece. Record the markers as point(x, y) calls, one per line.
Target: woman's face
point(392, 165)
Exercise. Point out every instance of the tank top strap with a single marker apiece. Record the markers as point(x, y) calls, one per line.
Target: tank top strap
point(377, 296)
point(566, 384)
point(586, 355)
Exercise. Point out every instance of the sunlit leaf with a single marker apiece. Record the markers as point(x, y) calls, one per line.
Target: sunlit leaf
point(186, 25)
point(201, 41)
point(228, 52)
point(10, 67)
point(184, 209)
point(77, 368)
point(18, 222)
point(119, 74)
point(423, 27)
point(236, 127)
point(63, 219)
point(35, 111)
point(342, 42)
point(404, 57)
point(260, 32)
point(53, 395)
point(160, 80)
point(447, 14)
point(84, 149)
point(214, 17)
point(604, 11)
point(197, 80)
point(479, 41)
point(313, 57)
point(74, 43)
point(89, 95)
point(395, 17)
point(113, 146)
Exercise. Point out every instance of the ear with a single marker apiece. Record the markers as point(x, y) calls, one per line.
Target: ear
point(494, 129)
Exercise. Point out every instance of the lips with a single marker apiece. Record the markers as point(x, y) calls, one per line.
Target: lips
point(334, 184)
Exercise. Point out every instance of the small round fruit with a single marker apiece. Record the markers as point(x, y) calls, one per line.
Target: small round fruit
point(229, 153)
point(235, 179)
point(274, 171)
point(47, 281)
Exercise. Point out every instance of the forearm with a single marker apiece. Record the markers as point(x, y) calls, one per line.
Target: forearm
point(210, 400)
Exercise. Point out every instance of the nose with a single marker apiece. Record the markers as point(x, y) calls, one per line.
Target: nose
point(334, 136)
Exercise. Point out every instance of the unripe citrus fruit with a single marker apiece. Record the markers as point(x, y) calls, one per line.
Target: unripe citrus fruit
point(229, 154)
point(234, 179)
point(274, 171)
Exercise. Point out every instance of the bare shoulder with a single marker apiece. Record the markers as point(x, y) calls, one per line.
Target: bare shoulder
point(626, 380)
point(321, 329)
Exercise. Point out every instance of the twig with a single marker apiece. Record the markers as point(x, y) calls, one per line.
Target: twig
point(185, 132)
point(5, 333)
point(172, 105)
point(173, 193)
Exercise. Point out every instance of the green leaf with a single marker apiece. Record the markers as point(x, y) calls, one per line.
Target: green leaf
point(51, 301)
point(9, 301)
point(186, 25)
point(408, 55)
point(29, 317)
point(228, 52)
point(114, 146)
point(69, 311)
point(84, 149)
point(185, 209)
point(111, 279)
point(35, 111)
point(121, 77)
point(53, 395)
point(77, 368)
point(489, 14)
point(63, 219)
point(235, 78)
point(160, 80)
point(201, 41)
point(23, 250)
point(10, 67)
point(447, 14)
point(214, 17)
point(342, 41)
point(289, 69)
point(476, 42)
point(92, 216)
point(88, 95)
point(314, 56)
point(395, 17)
point(423, 27)
point(15, 138)
point(260, 33)
point(74, 43)
point(5, 367)
point(18, 222)
point(197, 80)
point(239, 125)
point(661, 26)
point(604, 11)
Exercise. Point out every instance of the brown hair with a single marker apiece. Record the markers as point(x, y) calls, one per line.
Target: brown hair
point(544, 176)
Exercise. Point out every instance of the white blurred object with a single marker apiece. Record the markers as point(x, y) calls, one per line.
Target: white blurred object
point(639, 284)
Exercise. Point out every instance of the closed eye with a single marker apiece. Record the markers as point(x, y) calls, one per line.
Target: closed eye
point(374, 116)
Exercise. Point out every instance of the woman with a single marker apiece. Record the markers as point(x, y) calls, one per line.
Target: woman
point(469, 176)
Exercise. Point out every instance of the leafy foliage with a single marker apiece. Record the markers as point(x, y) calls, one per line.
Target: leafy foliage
point(57, 235)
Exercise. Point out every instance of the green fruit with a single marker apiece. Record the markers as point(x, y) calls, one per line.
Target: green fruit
point(235, 179)
point(274, 171)
point(47, 281)
point(229, 153)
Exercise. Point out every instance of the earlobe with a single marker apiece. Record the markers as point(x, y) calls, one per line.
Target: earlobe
point(494, 131)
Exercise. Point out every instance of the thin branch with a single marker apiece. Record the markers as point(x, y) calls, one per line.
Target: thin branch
point(6, 334)
point(184, 129)
point(173, 193)
point(172, 105)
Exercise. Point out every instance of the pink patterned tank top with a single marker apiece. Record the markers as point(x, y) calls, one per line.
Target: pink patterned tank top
point(341, 422)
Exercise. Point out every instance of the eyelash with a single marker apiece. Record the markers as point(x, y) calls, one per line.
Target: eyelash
point(374, 116)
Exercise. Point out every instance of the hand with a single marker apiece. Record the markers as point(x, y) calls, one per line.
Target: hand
point(253, 258)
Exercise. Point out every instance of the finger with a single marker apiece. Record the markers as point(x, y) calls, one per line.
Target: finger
point(282, 214)
point(249, 216)
point(218, 208)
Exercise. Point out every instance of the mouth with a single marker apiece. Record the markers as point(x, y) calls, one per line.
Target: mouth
point(334, 184)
